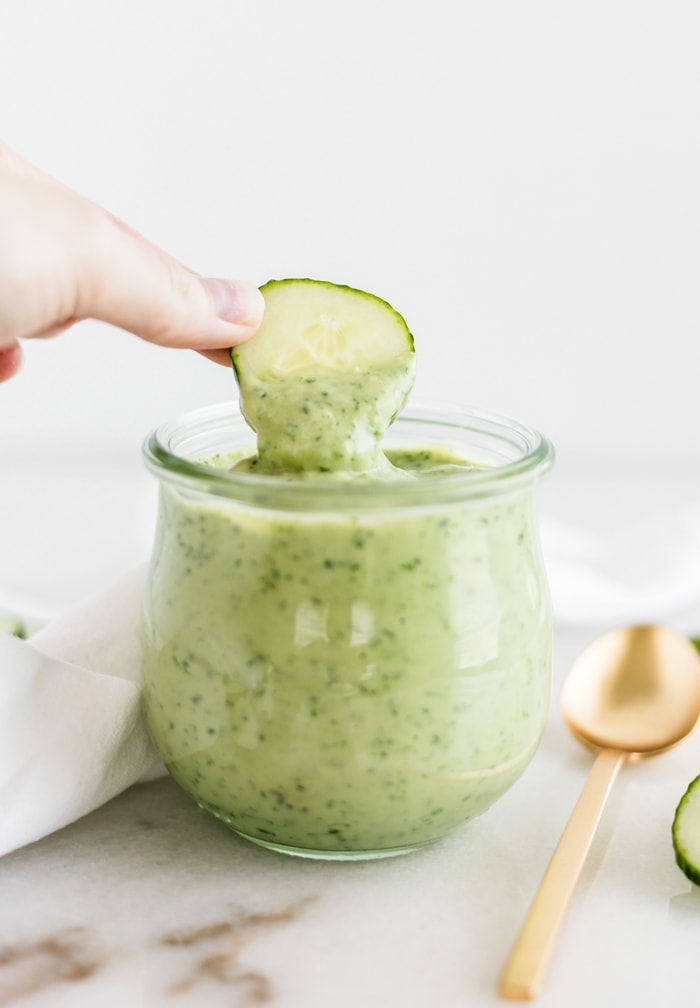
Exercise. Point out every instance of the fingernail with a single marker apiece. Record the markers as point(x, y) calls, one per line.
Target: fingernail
point(235, 301)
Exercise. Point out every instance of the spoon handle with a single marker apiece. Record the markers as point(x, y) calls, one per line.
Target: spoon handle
point(525, 967)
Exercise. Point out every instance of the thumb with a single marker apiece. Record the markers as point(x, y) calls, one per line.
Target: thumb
point(134, 285)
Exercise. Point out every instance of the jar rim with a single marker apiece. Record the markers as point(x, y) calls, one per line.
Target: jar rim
point(532, 455)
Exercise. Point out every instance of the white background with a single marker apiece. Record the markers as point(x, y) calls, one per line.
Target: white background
point(520, 179)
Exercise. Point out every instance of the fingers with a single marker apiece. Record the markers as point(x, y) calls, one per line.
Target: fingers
point(127, 281)
point(62, 259)
point(218, 356)
point(10, 361)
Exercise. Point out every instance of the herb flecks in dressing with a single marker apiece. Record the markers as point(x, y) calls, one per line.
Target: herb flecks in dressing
point(326, 421)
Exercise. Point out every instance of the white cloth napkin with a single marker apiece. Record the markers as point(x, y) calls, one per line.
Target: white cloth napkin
point(71, 732)
point(645, 571)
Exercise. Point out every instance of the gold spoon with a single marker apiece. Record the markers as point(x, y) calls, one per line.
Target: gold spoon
point(632, 693)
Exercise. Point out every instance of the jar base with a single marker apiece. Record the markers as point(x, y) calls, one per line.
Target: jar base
point(333, 855)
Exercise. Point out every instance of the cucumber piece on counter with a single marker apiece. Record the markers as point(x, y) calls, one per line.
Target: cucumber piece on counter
point(686, 832)
point(315, 324)
point(13, 625)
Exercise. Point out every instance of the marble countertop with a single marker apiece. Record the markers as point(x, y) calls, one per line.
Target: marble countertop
point(149, 901)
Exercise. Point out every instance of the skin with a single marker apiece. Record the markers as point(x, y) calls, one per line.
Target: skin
point(64, 259)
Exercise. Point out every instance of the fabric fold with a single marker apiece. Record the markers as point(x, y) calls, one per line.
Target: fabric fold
point(71, 731)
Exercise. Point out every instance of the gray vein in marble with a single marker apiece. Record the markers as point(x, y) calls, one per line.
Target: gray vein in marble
point(219, 954)
point(66, 956)
point(73, 954)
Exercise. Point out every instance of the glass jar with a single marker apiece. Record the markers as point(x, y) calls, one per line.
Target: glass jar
point(347, 669)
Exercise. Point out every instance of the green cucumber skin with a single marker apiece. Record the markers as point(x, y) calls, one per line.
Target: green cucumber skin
point(690, 869)
point(13, 626)
point(272, 284)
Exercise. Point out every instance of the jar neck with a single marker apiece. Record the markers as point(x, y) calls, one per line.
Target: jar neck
point(507, 456)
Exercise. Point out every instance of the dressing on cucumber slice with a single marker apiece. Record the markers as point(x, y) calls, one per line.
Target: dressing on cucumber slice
point(312, 324)
point(686, 832)
point(323, 378)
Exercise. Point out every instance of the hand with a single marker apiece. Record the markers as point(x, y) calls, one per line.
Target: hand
point(63, 259)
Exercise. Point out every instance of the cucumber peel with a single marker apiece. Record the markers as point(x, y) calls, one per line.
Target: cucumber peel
point(324, 377)
point(13, 625)
point(311, 324)
point(685, 832)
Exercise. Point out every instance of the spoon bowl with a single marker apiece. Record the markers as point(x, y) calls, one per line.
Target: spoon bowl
point(636, 690)
point(633, 692)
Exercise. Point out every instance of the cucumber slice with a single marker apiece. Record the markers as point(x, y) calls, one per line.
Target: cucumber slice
point(685, 832)
point(322, 379)
point(312, 324)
